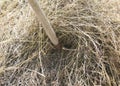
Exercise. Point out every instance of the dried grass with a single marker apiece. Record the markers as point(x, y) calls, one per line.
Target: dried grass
point(89, 31)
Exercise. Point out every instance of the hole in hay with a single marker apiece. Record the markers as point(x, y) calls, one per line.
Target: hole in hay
point(67, 46)
point(69, 41)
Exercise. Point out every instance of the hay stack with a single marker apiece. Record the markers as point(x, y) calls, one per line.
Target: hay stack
point(89, 32)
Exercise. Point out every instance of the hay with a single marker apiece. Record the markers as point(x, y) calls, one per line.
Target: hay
point(89, 32)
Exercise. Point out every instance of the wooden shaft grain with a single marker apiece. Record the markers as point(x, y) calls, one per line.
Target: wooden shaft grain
point(45, 22)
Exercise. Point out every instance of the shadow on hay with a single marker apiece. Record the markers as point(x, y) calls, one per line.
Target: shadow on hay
point(56, 60)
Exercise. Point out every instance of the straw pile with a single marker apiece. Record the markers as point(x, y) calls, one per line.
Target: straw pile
point(88, 30)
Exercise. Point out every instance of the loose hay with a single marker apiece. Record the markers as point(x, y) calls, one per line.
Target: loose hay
point(89, 32)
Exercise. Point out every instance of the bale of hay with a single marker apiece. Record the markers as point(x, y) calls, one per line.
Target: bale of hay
point(89, 32)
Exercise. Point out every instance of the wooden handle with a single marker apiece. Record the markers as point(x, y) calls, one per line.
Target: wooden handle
point(45, 22)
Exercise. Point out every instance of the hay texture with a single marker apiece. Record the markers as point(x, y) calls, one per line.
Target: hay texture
point(88, 30)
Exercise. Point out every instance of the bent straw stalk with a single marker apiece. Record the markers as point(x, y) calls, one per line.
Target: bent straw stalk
point(45, 22)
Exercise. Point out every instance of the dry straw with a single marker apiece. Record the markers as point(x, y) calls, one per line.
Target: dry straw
point(89, 30)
